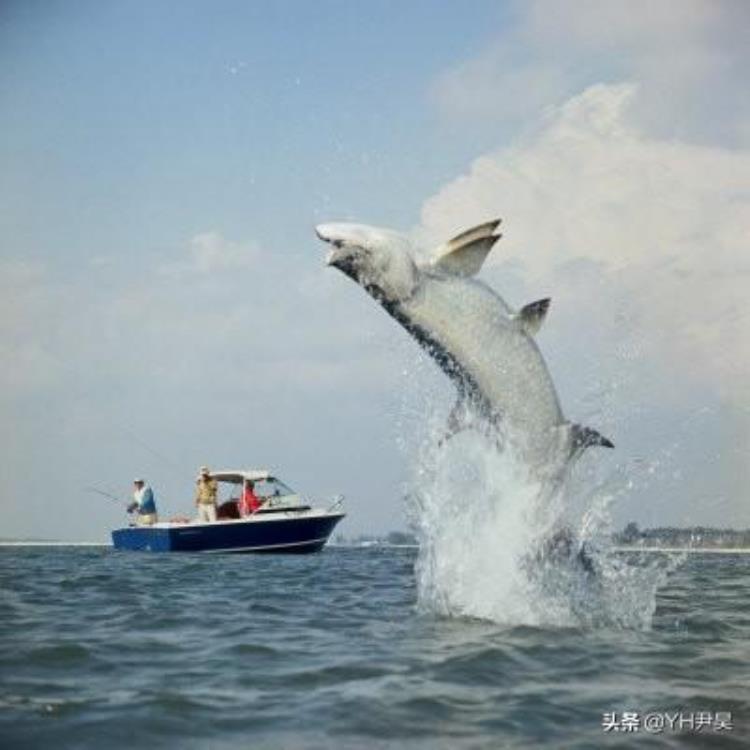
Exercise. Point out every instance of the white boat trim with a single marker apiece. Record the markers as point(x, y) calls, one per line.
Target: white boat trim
point(264, 546)
point(51, 543)
point(280, 515)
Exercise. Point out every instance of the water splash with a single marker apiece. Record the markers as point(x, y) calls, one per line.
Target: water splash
point(495, 544)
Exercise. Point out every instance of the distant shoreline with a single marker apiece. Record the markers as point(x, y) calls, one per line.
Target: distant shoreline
point(386, 545)
point(37, 543)
point(709, 550)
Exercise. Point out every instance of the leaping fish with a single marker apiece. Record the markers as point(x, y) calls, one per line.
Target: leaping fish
point(482, 344)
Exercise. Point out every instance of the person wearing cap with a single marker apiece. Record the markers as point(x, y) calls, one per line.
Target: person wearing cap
point(206, 491)
point(143, 503)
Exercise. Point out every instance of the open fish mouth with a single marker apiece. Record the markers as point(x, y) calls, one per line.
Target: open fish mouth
point(341, 253)
point(334, 255)
point(322, 235)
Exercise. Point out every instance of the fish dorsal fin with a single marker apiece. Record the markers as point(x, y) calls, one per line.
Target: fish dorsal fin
point(475, 233)
point(532, 316)
point(466, 260)
point(465, 253)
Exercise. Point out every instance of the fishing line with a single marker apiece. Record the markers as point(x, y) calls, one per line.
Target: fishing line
point(171, 464)
point(105, 494)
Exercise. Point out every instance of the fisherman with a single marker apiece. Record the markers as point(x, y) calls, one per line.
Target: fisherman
point(206, 491)
point(144, 503)
point(250, 501)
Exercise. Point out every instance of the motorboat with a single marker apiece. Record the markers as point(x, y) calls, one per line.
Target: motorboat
point(280, 521)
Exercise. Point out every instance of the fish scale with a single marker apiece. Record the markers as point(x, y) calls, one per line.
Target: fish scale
point(474, 325)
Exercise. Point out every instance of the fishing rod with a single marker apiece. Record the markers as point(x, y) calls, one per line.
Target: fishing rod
point(140, 441)
point(337, 502)
point(115, 499)
point(129, 433)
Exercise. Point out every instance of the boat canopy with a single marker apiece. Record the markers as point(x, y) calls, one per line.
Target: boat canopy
point(238, 477)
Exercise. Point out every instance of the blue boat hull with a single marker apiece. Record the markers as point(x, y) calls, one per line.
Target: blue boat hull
point(287, 535)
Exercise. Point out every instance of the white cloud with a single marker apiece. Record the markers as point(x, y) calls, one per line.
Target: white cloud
point(670, 220)
point(644, 245)
point(489, 88)
point(221, 366)
point(690, 60)
point(26, 320)
point(228, 306)
point(611, 24)
point(210, 252)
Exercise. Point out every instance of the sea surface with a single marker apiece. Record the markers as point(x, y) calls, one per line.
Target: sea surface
point(105, 649)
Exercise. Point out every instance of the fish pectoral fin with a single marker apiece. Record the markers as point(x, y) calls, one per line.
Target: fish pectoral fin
point(532, 316)
point(465, 415)
point(585, 437)
point(465, 253)
point(466, 260)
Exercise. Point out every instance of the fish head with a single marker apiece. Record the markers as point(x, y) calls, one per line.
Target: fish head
point(379, 260)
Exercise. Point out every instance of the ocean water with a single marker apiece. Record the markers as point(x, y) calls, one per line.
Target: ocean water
point(341, 650)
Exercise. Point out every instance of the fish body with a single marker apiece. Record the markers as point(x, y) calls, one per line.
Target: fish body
point(482, 344)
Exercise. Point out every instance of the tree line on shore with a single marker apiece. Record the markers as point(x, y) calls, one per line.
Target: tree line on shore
point(699, 537)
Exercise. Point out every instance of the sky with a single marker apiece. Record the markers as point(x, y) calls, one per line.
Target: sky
point(165, 302)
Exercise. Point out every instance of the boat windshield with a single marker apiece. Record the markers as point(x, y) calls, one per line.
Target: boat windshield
point(272, 487)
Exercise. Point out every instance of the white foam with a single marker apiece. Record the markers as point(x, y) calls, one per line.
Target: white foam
point(483, 523)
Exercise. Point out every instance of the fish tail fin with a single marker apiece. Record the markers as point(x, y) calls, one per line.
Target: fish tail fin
point(585, 437)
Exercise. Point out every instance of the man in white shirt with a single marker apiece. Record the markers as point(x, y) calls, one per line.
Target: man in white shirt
point(144, 503)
